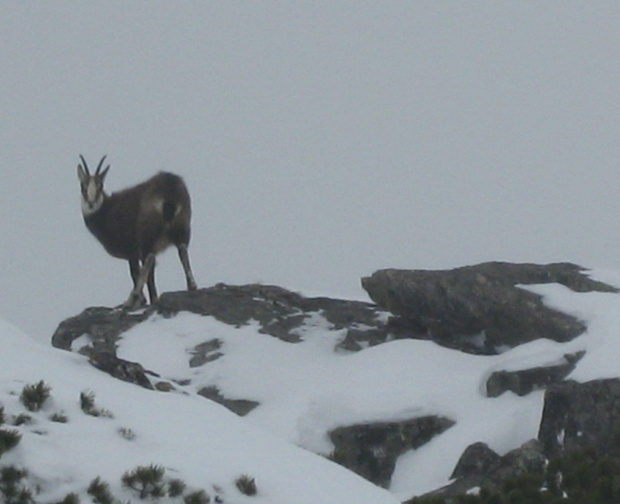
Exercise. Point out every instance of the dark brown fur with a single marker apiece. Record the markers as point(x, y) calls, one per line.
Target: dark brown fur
point(129, 224)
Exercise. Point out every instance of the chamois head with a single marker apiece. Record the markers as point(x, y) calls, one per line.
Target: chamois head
point(92, 186)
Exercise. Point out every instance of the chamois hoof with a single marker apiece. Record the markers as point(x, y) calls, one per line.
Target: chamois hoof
point(134, 302)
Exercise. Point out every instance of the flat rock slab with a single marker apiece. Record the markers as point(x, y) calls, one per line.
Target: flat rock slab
point(524, 381)
point(481, 308)
point(371, 450)
point(278, 311)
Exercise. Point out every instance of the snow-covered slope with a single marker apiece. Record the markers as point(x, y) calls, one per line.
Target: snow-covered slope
point(195, 440)
point(304, 390)
point(308, 389)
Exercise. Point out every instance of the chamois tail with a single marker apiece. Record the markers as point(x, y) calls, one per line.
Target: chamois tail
point(175, 196)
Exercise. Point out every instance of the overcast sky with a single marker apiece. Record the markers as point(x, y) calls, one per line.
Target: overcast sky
point(320, 140)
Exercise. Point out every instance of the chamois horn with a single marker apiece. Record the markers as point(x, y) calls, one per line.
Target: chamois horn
point(84, 165)
point(98, 171)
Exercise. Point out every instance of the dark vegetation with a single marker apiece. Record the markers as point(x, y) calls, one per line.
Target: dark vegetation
point(579, 477)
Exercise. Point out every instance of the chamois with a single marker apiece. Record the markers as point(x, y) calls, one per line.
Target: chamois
point(138, 223)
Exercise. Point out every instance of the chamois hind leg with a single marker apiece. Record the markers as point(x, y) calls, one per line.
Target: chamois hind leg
point(136, 297)
point(150, 283)
point(184, 257)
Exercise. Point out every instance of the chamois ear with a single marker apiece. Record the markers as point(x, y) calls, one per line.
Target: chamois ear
point(104, 173)
point(82, 175)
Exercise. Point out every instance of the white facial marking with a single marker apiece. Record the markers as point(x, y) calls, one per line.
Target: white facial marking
point(91, 190)
point(93, 200)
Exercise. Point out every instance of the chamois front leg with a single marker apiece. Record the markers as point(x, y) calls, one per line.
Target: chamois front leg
point(136, 297)
point(189, 276)
point(134, 270)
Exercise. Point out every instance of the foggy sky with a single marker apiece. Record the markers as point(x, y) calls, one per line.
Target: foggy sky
point(320, 140)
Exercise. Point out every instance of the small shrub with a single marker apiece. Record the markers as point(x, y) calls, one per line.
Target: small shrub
point(87, 401)
point(59, 417)
point(34, 396)
point(8, 440)
point(246, 485)
point(2, 417)
point(100, 492)
point(126, 433)
point(87, 404)
point(22, 419)
point(11, 489)
point(197, 497)
point(146, 480)
point(176, 487)
point(70, 499)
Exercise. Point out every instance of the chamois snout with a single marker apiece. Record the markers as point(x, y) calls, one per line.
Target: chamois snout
point(137, 223)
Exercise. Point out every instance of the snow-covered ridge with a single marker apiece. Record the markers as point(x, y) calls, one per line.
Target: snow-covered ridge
point(302, 374)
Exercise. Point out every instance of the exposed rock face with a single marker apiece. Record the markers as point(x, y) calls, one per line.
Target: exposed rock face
point(279, 312)
point(239, 406)
point(122, 369)
point(580, 415)
point(371, 450)
point(481, 308)
point(524, 381)
point(102, 325)
point(576, 416)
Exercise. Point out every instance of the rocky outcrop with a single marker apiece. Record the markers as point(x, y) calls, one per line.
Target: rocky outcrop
point(279, 313)
point(577, 418)
point(478, 309)
point(371, 450)
point(481, 308)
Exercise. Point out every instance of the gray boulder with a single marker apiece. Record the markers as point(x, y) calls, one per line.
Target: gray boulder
point(479, 466)
point(239, 406)
point(581, 415)
point(481, 309)
point(371, 450)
